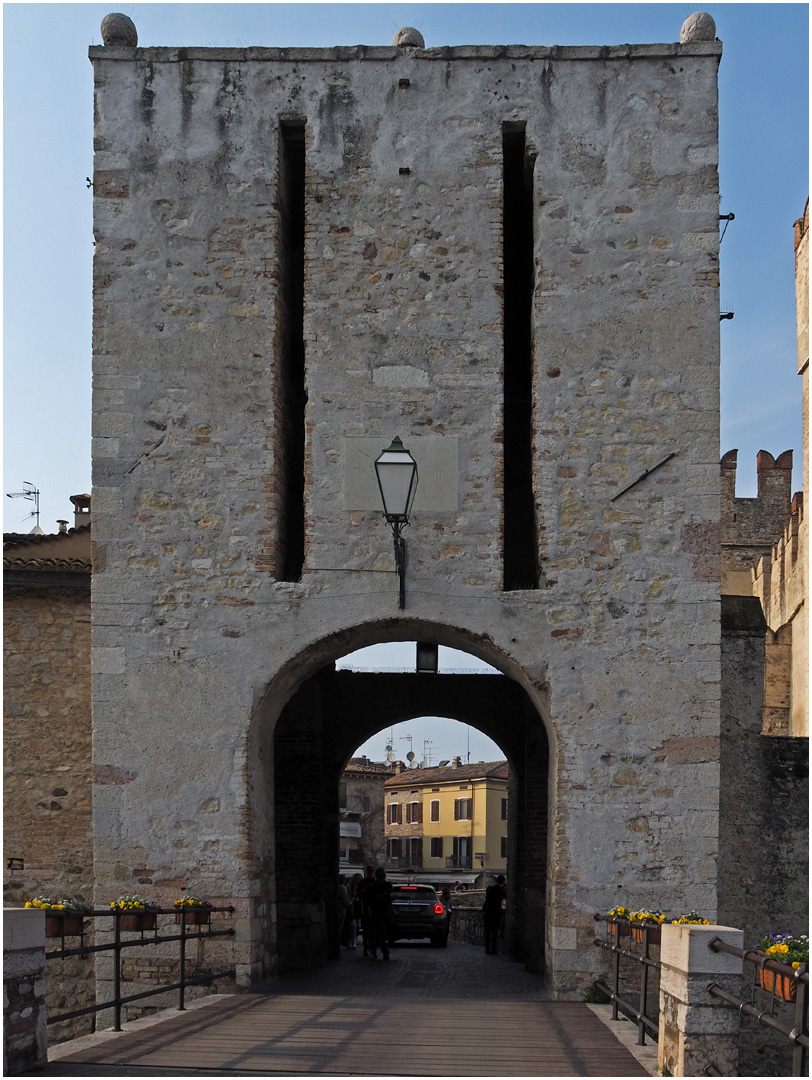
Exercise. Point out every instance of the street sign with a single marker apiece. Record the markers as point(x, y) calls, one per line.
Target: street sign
point(481, 855)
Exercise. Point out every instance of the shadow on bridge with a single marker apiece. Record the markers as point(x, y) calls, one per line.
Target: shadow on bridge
point(428, 1012)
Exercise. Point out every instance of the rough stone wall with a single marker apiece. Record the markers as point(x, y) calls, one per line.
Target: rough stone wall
point(764, 821)
point(47, 741)
point(764, 794)
point(751, 527)
point(197, 647)
point(47, 768)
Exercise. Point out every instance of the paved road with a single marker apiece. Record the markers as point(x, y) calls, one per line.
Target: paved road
point(427, 1012)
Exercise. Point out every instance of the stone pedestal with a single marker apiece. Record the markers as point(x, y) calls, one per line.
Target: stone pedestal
point(697, 1029)
point(25, 1043)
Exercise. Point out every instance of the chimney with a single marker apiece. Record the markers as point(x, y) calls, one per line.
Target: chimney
point(81, 508)
point(63, 525)
point(455, 764)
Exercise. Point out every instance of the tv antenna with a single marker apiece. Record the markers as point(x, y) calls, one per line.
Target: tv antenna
point(31, 492)
point(426, 763)
point(410, 740)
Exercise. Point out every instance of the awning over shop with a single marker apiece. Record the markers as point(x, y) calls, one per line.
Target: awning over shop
point(349, 828)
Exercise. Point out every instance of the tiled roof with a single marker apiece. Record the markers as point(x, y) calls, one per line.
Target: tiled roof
point(372, 769)
point(497, 770)
point(20, 551)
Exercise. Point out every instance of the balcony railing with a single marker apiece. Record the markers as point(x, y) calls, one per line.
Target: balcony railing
point(459, 862)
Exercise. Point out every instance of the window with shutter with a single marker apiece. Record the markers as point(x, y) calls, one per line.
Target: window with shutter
point(435, 810)
point(436, 847)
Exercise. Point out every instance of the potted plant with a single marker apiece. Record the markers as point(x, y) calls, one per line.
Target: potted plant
point(693, 918)
point(63, 918)
point(614, 915)
point(638, 919)
point(140, 914)
point(197, 912)
point(784, 949)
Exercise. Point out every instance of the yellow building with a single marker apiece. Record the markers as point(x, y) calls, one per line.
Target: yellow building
point(448, 822)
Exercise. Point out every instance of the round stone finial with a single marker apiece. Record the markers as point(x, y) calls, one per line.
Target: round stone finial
point(408, 38)
point(118, 31)
point(698, 27)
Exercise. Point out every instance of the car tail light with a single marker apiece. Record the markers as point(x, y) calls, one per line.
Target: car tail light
point(438, 909)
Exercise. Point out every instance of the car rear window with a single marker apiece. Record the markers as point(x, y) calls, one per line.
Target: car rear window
point(421, 892)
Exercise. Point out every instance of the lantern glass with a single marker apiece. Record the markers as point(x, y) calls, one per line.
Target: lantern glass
point(396, 470)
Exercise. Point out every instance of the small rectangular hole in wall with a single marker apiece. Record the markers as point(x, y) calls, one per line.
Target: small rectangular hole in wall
point(404, 84)
point(405, 172)
point(520, 533)
point(292, 396)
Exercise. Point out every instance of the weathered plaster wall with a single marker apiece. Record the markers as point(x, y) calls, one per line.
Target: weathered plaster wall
point(197, 647)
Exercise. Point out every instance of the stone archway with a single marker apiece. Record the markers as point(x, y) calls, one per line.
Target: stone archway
point(330, 714)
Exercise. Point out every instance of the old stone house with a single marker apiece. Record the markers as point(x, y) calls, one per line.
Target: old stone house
point(361, 814)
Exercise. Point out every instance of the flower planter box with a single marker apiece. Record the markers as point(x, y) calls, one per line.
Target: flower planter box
point(654, 934)
point(145, 920)
point(782, 986)
point(63, 925)
point(194, 917)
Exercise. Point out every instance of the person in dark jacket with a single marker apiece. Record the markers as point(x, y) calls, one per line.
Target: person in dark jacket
point(495, 895)
point(379, 897)
point(366, 915)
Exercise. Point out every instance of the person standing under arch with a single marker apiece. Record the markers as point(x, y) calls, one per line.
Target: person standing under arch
point(495, 896)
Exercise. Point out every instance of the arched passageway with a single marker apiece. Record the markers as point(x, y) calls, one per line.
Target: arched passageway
point(326, 719)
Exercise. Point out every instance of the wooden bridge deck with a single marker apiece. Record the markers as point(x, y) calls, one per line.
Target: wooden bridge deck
point(430, 1012)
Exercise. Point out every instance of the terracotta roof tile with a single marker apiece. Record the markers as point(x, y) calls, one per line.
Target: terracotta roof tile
point(20, 551)
point(497, 770)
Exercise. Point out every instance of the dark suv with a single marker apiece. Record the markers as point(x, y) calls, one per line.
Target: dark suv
point(418, 914)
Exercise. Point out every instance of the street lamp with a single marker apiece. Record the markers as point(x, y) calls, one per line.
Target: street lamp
point(396, 470)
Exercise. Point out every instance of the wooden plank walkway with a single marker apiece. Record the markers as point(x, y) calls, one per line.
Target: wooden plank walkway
point(343, 1034)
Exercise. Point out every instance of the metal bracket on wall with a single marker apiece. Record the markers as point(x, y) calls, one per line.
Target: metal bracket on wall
point(648, 472)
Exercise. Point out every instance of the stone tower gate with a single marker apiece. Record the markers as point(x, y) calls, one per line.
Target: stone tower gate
point(507, 256)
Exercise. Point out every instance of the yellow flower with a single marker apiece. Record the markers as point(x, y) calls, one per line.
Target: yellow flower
point(28, 903)
point(796, 964)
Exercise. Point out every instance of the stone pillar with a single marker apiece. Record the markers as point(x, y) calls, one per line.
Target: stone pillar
point(697, 1029)
point(25, 1043)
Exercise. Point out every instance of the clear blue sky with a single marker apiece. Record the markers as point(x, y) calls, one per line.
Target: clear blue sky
point(48, 114)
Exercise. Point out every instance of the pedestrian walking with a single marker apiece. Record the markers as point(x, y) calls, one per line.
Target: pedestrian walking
point(379, 896)
point(343, 907)
point(366, 914)
point(354, 914)
point(495, 896)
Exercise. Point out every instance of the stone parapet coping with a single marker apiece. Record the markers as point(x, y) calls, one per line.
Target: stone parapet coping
point(164, 54)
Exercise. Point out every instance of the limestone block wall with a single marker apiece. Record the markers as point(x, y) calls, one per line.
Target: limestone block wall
point(198, 642)
point(47, 766)
point(47, 742)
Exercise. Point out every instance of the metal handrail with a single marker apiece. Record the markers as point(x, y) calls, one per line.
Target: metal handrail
point(619, 1004)
point(147, 937)
point(798, 1034)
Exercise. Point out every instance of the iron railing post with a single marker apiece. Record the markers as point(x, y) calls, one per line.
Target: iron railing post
point(800, 1053)
point(616, 974)
point(182, 995)
point(641, 1031)
point(117, 973)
